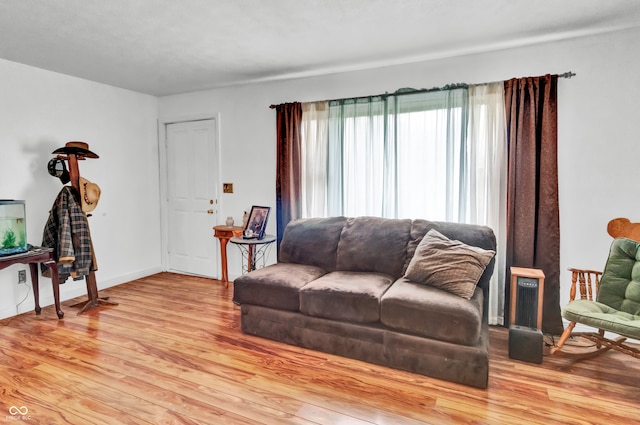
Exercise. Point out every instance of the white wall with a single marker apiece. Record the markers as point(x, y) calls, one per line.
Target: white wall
point(598, 142)
point(41, 111)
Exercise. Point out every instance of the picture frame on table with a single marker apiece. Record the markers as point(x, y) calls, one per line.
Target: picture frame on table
point(257, 222)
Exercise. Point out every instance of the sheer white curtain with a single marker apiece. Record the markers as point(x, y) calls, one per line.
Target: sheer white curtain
point(315, 150)
point(427, 135)
point(487, 175)
point(357, 157)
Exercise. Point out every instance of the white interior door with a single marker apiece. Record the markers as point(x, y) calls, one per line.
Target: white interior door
point(191, 198)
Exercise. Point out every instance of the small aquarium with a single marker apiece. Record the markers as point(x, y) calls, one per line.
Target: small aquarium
point(13, 227)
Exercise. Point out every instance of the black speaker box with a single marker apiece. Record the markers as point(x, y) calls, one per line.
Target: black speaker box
point(525, 344)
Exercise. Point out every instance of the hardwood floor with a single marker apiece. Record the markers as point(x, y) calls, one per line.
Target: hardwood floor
point(172, 352)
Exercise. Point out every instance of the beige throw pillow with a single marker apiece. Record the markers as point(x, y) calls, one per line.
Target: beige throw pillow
point(448, 264)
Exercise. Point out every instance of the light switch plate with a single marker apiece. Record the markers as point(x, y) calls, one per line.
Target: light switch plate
point(227, 187)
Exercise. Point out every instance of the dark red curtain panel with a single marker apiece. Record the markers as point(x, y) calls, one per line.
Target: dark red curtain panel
point(533, 223)
point(288, 190)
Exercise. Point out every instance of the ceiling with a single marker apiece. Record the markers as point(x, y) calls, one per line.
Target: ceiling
point(163, 47)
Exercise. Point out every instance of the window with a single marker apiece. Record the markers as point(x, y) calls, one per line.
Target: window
point(437, 155)
point(396, 156)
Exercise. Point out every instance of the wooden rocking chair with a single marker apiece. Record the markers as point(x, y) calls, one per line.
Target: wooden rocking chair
point(609, 301)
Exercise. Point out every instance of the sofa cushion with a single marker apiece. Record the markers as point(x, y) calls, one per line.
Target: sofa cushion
point(620, 284)
point(344, 295)
point(372, 244)
point(312, 241)
point(448, 264)
point(274, 286)
point(601, 316)
point(433, 313)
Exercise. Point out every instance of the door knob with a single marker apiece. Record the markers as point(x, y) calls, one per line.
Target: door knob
point(210, 211)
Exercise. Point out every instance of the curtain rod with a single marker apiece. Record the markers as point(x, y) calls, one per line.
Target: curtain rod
point(400, 92)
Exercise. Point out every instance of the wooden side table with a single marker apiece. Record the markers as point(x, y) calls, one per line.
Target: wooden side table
point(224, 233)
point(34, 257)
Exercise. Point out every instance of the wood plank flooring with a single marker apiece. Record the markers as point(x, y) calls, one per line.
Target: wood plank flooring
point(172, 352)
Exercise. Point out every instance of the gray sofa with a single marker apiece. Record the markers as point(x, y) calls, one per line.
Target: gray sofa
point(340, 287)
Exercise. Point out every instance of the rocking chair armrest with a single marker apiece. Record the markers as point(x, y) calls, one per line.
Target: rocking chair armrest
point(587, 278)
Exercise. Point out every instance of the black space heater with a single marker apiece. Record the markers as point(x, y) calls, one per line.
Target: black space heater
point(525, 324)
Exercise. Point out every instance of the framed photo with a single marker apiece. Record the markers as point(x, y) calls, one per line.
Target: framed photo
point(257, 222)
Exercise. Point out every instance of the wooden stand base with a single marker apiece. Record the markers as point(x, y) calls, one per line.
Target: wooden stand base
point(92, 293)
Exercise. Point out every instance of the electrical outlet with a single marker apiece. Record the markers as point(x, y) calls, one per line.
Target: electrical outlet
point(22, 276)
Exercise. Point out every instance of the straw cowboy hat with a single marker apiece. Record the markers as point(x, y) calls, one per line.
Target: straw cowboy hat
point(89, 195)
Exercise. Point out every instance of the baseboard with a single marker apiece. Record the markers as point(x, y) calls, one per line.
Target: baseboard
point(72, 289)
point(128, 277)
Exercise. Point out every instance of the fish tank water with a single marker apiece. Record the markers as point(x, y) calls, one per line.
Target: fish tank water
point(13, 227)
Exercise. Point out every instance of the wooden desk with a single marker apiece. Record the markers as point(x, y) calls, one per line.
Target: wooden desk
point(224, 233)
point(33, 258)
